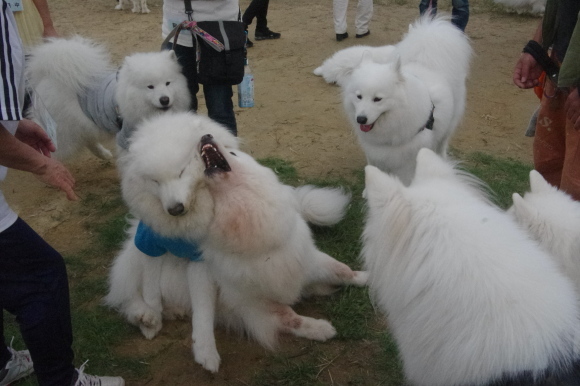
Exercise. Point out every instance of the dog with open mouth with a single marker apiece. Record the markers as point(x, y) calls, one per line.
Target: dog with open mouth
point(399, 99)
point(218, 237)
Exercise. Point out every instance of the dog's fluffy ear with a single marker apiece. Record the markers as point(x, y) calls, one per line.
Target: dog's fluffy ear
point(521, 209)
point(397, 68)
point(367, 57)
point(538, 184)
point(172, 55)
point(430, 165)
point(380, 188)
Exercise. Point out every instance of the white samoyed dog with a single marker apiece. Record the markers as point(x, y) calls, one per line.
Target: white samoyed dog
point(401, 99)
point(90, 101)
point(185, 178)
point(532, 7)
point(552, 218)
point(469, 297)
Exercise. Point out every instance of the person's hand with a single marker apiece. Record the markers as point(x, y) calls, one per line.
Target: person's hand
point(527, 71)
point(34, 136)
point(49, 32)
point(572, 107)
point(57, 175)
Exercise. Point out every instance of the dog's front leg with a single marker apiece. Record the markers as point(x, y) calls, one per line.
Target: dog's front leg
point(203, 293)
point(152, 321)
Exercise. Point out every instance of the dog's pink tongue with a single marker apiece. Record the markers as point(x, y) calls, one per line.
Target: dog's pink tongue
point(366, 128)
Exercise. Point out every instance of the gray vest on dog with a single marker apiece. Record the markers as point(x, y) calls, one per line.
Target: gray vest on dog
point(100, 106)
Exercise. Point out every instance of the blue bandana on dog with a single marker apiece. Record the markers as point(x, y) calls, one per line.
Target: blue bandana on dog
point(153, 244)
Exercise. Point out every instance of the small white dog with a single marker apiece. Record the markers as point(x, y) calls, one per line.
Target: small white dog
point(469, 297)
point(90, 101)
point(402, 98)
point(185, 178)
point(139, 6)
point(533, 7)
point(552, 217)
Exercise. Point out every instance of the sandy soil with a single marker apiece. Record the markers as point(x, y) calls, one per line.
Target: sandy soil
point(297, 117)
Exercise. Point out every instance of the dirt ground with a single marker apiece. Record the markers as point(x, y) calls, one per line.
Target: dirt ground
point(297, 117)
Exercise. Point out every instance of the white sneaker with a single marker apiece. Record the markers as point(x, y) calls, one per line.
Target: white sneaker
point(93, 380)
point(18, 367)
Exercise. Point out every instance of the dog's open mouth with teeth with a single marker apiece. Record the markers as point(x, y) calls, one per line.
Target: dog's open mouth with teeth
point(214, 160)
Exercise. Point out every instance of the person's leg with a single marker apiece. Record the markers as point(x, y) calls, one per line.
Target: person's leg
point(252, 11)
point(424, 5)
point(549, 140)
point(187, 58)
point(570, 182)
point(339, 8)
point(364, 13)
point(34, 287)
point(220, 108)
point(5, 355)
point(460, 13)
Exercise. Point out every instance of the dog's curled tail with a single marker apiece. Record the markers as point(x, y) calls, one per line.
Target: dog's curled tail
point(322, 206)
point(74, 62)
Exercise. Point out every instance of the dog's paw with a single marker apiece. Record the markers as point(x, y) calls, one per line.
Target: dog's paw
point(150, 323)
point(119, 6)
point(206, 354)
point(145, 10)
point(360, 278)
point(315, 329)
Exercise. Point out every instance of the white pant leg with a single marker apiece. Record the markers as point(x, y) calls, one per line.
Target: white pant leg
point(364, 13)
point(339, 8)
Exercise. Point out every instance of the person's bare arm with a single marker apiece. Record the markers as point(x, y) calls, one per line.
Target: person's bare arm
point(42, 7)
point(28, 156)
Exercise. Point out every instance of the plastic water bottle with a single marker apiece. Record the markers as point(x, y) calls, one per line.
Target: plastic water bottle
point(246, 88)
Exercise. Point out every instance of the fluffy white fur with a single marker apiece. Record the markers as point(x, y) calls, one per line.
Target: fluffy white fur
point(61, 69)
point(533, 7)
point(470, 298)
point(552, 217)
point(138, 6)
point(257, 247)
point(389, 92)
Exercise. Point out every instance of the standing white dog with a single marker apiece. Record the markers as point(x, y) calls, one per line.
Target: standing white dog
point(401, 99)
point(88, 99)
point(204, 199)
point(552, 218)
point(470, 298)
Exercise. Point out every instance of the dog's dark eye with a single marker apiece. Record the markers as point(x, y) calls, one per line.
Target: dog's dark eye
point(359, 96)
point(377, 99)
point(167, 84)
point(151, 87)
point(232, 153)
point(157, 182)
point(180, 174)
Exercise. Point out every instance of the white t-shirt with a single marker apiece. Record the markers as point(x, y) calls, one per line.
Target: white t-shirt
point(12, 55)
point(208, 10)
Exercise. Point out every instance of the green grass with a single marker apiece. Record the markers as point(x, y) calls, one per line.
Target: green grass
point(99, 331)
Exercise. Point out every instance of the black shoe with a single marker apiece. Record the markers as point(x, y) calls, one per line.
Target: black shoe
point(363, 35)
point(266, 34)
point(249, 43)
point(341, 37)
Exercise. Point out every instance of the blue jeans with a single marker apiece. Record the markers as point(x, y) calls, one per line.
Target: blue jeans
point(218, 98)
point(34, 288)
point(459, 13)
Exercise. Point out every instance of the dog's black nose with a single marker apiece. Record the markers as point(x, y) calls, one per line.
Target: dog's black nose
point(361, 119)
point(207, 137)
point(176, 210)
point(164, 100)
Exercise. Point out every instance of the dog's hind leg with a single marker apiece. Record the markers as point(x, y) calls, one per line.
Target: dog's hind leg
point(203, 294)
point(302, 326)
point(327, 274)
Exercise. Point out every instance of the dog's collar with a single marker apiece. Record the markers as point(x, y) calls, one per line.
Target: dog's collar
point(430, 121)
